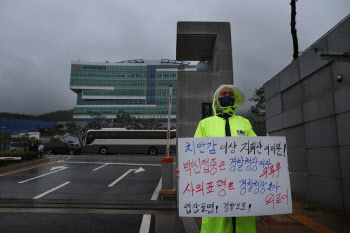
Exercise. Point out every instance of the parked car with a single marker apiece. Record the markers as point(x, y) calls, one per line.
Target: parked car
point(15, 146)
point(61, 148)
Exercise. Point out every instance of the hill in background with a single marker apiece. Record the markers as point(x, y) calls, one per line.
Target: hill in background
point(67, 115)
point(61, 115)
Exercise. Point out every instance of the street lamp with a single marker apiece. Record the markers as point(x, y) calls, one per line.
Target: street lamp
point(3, 131)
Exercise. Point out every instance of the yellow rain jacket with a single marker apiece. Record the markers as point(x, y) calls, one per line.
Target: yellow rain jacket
point(214, 126)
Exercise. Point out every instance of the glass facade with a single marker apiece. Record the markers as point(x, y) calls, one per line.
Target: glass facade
point(137, 87)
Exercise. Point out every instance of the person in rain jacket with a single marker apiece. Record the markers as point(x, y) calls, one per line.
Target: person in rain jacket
point(225, 123)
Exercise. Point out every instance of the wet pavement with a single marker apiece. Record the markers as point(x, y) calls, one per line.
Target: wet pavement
point(70, 222)
point(85, 178)
point(306, 218)
point(86, 194)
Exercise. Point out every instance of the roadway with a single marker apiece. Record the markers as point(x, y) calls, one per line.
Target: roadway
point(103, 187)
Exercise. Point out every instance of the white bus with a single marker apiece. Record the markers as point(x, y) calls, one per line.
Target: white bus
point(118, 141)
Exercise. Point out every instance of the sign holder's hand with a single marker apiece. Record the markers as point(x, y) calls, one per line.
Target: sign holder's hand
point(290, 174)
point(177, 175)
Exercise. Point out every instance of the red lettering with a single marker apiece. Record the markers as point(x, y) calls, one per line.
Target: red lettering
point(222, 192)
point(188, 190)
point(221, 166)
point(265, 173)
point(230, 186)
point(199, 188)
point(270, 199)
point(210, 187)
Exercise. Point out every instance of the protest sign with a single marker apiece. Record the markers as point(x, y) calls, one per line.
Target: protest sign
point(233, 176)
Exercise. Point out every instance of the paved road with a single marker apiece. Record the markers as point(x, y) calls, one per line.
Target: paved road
point(87, 179)
point(58, 223)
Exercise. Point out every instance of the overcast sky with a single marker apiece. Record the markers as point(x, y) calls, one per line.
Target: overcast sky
point(39, 39)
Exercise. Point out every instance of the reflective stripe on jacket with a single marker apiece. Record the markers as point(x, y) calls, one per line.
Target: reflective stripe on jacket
point(215, 127)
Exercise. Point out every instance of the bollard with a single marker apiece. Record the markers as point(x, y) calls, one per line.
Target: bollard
point(167, 173)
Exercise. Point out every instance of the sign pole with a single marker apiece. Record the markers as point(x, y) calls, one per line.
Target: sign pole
point(167, 162)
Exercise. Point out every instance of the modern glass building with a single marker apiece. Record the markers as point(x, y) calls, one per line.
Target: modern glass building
point(137, 87)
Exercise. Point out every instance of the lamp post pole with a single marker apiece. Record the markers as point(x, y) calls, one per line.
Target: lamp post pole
point(2, 138)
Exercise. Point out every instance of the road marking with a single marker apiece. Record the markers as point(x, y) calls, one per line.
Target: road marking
point(129, 164)
point(125, 174)
point(51, 190)
point(58, 167)
point(313, 225)
point(100, 167)
point(140, 169)
point(145, 224)
point(29, 168)
point(21, 182)
point(156, 191)
point(146, 219)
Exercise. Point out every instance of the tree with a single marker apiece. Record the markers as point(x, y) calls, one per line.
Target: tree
point(257, 111)
point(25, 142)
point(293, 30)
point(93, 125)
point(42, 131)
point(137, 124)
point(152, 124)
point(53, 139)
point(51, 131)
point(61, 115)
point(77, 131)
point(97, 122)
point(259, 98)
point(58, 129)
point(5, 139)
point(126, 121)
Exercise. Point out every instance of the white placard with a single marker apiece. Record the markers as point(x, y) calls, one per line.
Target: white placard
point(233, 176)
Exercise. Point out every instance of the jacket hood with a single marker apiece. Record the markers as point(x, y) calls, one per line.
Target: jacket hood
point(239, 100)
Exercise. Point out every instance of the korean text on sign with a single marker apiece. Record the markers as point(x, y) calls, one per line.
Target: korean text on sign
point(233, 176)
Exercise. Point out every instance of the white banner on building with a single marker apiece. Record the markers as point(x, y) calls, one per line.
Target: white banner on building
point(233, 176)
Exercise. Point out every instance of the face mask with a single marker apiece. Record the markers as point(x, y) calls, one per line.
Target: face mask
point(226, 101)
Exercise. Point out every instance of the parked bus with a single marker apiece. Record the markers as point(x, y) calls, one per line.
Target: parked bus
point(118, 141)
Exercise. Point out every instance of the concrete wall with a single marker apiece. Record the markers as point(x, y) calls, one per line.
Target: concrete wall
point(305, 103)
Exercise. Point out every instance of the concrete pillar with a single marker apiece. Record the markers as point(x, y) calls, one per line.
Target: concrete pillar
point(196, 41)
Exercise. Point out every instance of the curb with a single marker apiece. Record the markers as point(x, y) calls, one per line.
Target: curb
point(189, 225)
point(22, 165)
